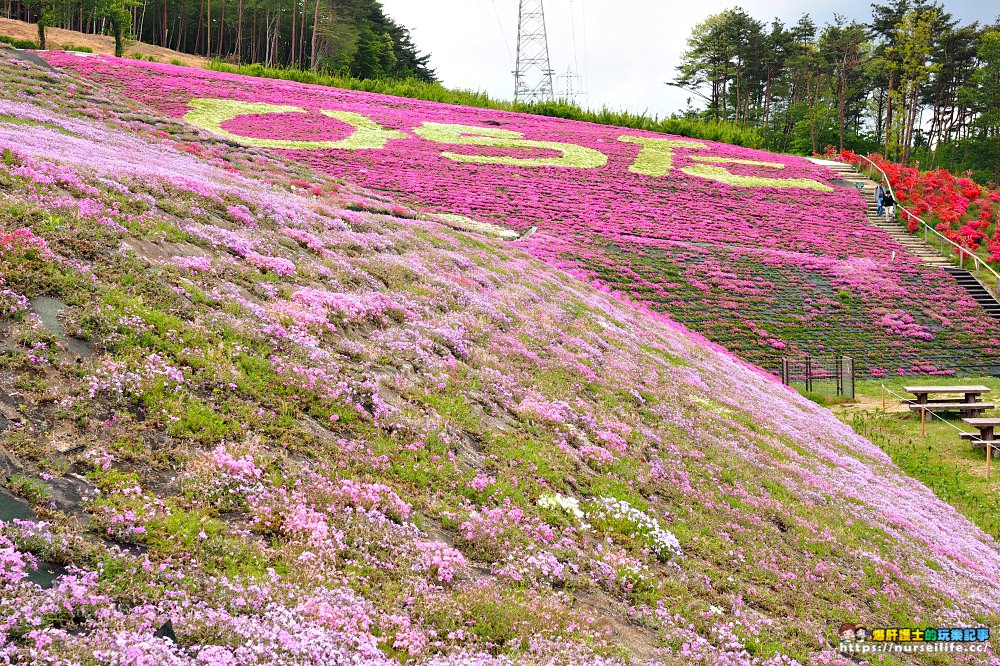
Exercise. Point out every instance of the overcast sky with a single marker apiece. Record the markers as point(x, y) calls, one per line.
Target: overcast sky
point(624, 49)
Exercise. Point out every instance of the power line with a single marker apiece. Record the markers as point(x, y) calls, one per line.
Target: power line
point(503, 33)
point(572, 24)
point(583, 19)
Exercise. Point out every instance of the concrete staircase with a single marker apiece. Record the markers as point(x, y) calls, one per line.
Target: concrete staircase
point(914, 244)
point(975, 288)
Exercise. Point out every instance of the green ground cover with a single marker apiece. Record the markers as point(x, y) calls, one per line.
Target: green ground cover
point(435, 92)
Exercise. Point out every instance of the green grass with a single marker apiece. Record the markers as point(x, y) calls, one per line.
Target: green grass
point(33, 490)
point(822, 398)
point(946, 464)
point(435, 92)
point(19, 43)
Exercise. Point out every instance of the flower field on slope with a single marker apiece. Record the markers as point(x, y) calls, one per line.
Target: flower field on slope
point(306, 425)
point(758, 252)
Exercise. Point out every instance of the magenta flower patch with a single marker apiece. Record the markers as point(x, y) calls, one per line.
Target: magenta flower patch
point(765, 254)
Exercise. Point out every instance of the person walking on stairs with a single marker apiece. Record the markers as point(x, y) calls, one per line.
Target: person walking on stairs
point(890, 206)
point(879, 197)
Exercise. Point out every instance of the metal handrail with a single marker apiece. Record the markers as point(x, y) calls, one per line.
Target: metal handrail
point(962, 252)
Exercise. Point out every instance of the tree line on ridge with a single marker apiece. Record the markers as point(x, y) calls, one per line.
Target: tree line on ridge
point(911, 83)
point(346, 37)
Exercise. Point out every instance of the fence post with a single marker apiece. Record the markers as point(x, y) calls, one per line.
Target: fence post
point(989, 458)
point(923, 421)
point(784, 372)
point(883, 397)
point(809, 376)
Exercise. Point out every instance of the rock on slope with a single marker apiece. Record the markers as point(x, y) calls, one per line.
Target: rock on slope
point(308, 425)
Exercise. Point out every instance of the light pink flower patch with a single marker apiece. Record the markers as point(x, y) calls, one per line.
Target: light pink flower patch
point(193, 264)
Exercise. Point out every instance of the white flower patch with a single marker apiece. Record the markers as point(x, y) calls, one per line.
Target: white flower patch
point(662, 542)
point(464, 223)
point(711, 404)
point(568, 505)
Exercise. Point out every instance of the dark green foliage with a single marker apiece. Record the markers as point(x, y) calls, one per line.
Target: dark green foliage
point(19, 43)
point(857, 85)
point(348, 37)
point(361, 41)
point(709, 130)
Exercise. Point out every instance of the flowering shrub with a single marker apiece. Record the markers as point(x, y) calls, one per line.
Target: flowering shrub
point(439, 560)
point(12, 304)
point(220, 479)
point(13, 563)
point(195, 264)
point(569, 505)
point(620, 572)
point(375, 497)
point(963, 211)
point(532, 568)
point(21, 240)
point(348, 308)
point(492, 532)
point(125, 514)
point(277, 265)
point(120, 380)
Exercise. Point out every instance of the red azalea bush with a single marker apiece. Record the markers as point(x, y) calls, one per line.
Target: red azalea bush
point(962, 210)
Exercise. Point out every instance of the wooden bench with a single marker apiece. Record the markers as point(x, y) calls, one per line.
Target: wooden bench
point(971, 409)
point(977, 441)
point(939, 401)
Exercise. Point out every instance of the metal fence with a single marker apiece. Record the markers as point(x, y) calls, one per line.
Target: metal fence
point(826, 375)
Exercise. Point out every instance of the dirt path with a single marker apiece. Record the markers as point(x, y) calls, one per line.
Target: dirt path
point(863, 403)
point(58, 38)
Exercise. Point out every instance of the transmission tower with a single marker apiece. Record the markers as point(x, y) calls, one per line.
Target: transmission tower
point(533, 74)
point(570, 91)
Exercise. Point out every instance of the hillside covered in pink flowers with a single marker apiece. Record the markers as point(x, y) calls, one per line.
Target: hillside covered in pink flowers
point(253, 414)
point(767, 255)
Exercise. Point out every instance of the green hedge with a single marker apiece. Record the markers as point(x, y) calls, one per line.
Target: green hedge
point(435, 92)
point(19, 43)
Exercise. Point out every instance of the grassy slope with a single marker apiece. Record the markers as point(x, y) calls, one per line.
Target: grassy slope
point(300, 403)
point(949, 466)
point(763, 280)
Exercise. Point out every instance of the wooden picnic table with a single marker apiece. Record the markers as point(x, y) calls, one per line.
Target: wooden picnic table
point(971, 393)
point(971, 406)
point(985, 428)
point(987, 438)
